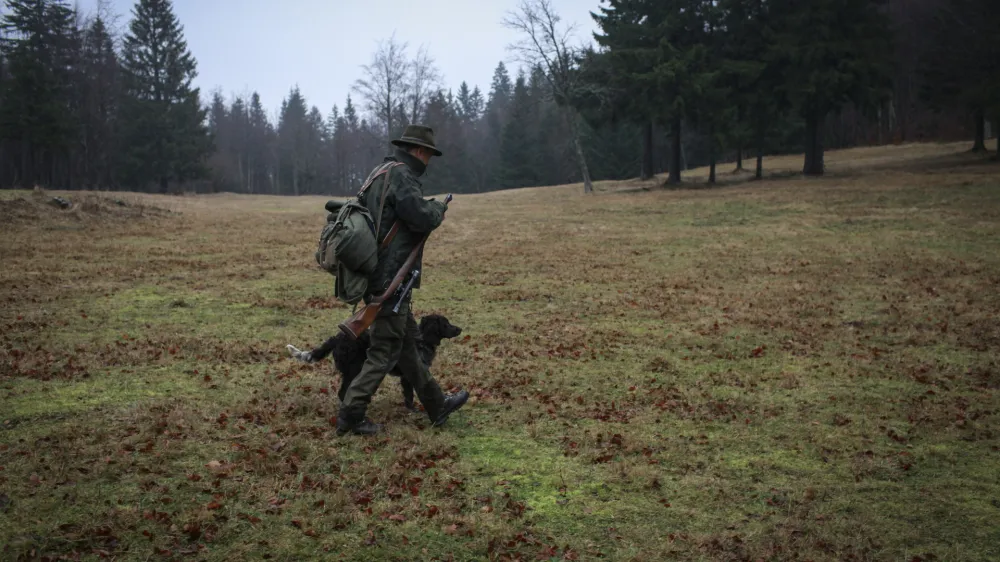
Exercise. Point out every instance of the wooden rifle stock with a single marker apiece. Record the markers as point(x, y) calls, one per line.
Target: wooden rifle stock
point(363, 318)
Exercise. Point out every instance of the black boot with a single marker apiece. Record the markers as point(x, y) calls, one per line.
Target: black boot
point(366, 427)
point(356, 423)
point(450, 405)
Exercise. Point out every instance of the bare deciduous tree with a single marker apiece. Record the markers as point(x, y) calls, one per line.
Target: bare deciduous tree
point(425, 79)
point(546, 44)
point(386, 82)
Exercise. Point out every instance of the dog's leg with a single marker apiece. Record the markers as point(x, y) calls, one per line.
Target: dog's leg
point(407, 394)
point(344, 383)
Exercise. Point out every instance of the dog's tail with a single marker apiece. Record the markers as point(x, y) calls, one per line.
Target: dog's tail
point(296, 353)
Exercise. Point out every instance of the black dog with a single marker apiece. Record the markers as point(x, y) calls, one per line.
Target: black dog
point(349, 355)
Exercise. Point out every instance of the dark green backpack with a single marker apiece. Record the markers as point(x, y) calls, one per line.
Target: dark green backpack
point(348, 248)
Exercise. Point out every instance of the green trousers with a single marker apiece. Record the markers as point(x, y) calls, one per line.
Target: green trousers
point(393, 344)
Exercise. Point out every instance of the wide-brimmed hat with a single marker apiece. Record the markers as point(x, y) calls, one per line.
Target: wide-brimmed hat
point(418, 135)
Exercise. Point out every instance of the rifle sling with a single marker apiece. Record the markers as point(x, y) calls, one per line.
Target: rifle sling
point(390, 235)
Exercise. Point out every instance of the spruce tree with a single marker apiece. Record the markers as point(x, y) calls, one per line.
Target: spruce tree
point(622, 84)
point(164, 136)
point(500, 90)
point(476, 104)
point(751, 75)
point(40, 47)
point(239, 130)
point(465, 111)
point(100, 88)
point(657, 51)
point(257, 150)
point(293, 138)
point(317, 171)
point(219, 132)
point(517, 149)
point(497, 106)
point(963, 68)
point(711, 107)
point(831, 52)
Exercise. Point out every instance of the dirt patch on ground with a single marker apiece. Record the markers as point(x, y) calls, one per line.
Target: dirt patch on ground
point(40, 206)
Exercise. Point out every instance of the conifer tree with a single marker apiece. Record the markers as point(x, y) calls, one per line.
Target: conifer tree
point(752, 77)
point(37, 114)
point(100, 92)
point(163, 133)
point(258, 145)
point(963, 68)
point(517, 155)
point(497, 105)
point(621, 75)
point(293, 138)
point(831, 53)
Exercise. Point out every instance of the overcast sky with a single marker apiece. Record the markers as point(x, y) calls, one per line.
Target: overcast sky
point(270, 45)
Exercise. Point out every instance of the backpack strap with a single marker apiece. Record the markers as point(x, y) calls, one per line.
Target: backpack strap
point(385, 169)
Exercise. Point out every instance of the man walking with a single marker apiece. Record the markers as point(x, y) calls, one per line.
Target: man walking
point(393, 334)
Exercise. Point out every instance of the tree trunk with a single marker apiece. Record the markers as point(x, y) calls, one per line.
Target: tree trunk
point(26, 172)
point(711, 156)
point(675, 153)
point(980, 145)
point(588, 187)
point(814, 144)
point(759, 172)
point(739, 159)
point(647, 152)
point(239, 166)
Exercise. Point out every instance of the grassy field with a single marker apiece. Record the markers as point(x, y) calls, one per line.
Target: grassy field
point(794, 369)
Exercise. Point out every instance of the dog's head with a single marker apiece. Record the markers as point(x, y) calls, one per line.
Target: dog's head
point(435, 327)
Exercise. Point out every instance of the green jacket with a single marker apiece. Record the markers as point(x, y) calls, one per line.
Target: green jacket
point(418, 216)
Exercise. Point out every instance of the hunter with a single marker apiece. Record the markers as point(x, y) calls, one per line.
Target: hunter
point(393, 334)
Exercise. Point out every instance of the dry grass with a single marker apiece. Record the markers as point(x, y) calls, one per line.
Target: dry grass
point(924, 157)
point(791, 369)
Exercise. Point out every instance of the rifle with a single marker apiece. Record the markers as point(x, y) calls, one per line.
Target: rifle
point(406, 290)
point(362, 319)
